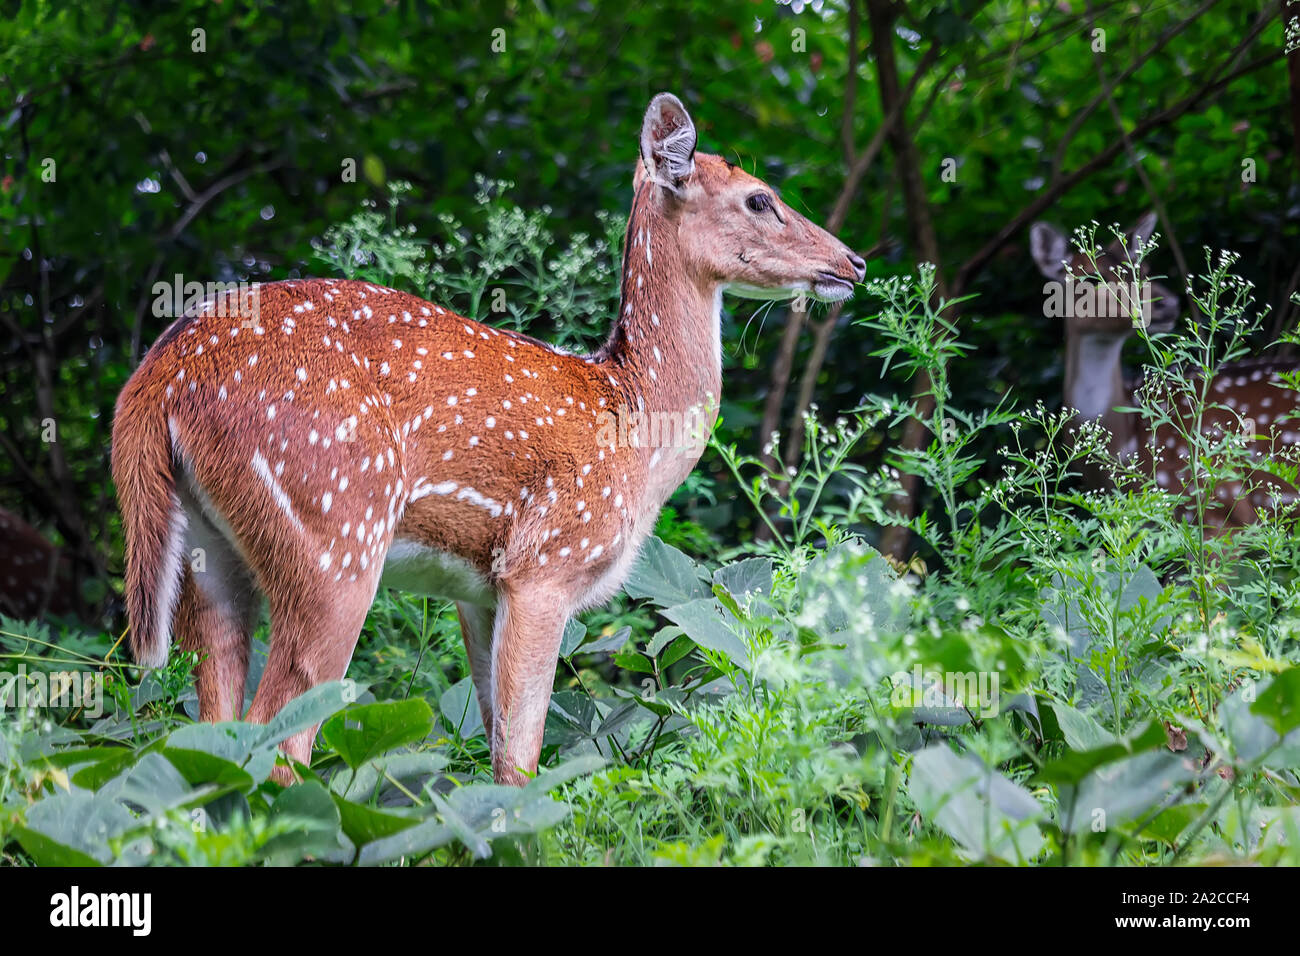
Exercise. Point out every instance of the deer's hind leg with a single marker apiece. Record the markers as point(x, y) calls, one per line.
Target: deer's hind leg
point(215, 617)
point(476, 627)
point(314, 630)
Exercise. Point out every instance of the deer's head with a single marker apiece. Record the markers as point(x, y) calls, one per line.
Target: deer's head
point(1104, 307)
point(731, 227)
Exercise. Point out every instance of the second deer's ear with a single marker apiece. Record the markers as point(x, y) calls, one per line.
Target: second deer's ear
point(1050, 249)
point(668, 142)
point(1141, 232)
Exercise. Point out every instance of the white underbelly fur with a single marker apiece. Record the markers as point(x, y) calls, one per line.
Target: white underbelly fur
point(411, 566)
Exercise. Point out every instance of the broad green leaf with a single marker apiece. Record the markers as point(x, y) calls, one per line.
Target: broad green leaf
point(574, 634)
point(372, 776)
point(549, 779)
point(611, 642)
point(308, 710)
point(363, 733)
point(665, 575)
point(99, 773)
point(244, 745)
point(663, 637)
point(707, 624)
point(1253, 736)
point(460, 711)
point(1279, 702)
point(679, 648)
point(153, 784)
point(752, 576)
point(987, 814)
point(1074, 766)
point(308, 822)
point(1081, 731)
point(78, 822)
point(47, 851)
point(197, 767)
point(1123, 790)
point(365, 825)
point(634, 661)
point(407, 844)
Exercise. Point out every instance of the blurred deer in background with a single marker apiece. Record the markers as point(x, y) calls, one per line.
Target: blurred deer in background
point(1243, 394)
point(348, 435)
point(36, 577)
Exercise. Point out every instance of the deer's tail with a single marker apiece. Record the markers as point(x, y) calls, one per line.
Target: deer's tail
point(153, 520)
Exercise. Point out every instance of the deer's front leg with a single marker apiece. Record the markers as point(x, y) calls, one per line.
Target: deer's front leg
point(530, 626)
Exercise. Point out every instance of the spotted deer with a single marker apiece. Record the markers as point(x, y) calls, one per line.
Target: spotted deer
point(349, 436)
point(1242, 395)
point(36, 577)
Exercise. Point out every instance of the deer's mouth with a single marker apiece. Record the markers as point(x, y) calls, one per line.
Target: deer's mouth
point(831, 287)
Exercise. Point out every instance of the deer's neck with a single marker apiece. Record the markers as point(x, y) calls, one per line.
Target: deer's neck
point(666, 341)
point(1094, 385)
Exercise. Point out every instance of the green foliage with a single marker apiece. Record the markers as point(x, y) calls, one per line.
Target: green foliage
point(1072, 677)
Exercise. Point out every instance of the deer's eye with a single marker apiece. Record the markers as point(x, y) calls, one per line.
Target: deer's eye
point(758, 202)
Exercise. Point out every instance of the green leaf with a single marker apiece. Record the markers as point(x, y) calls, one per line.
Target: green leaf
point(1170, 823)
point(663, 637)
point(1254, 737)
point(308, 822)
point(987, 814)
point(1122, 790)
point(618, 718)
point(413, 769)
point(412, 842)
point(676, 651)
point(308, 710)
point(634, 661)
point(247, 746)
point(476, 844)
point(741, 578)
point(1081, 731)
point(198, 767)
point(47, 851)
point(460, 710)
point(75, 826)
point(362, 733)
point(612, 642)
point(1279, 702)
point(365, 825)
point(1073, 766)
point(548, 780)
point(665, 575)
point(575, 632)
point(153, 784)
point(706, 623)
point(115, 759)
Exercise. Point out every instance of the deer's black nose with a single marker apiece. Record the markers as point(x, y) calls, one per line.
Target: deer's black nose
point(859, 265)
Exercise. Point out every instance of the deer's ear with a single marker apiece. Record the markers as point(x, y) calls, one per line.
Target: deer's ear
point(1141, 232)
point(668, 142)
point(1050, 249)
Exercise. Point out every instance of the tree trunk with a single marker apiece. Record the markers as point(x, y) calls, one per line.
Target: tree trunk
point(882, 14)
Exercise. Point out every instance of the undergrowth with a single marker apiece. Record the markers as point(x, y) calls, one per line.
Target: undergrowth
point(1069, 677)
